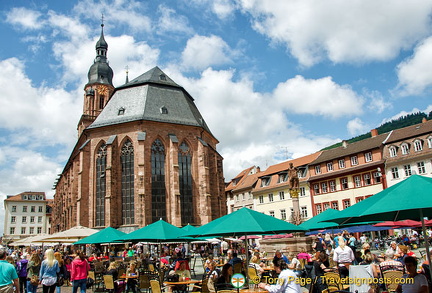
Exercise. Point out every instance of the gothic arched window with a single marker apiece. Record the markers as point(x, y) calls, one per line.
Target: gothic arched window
point(127, 183)
point(100, 185)
point(185, 182)
point(158, 181)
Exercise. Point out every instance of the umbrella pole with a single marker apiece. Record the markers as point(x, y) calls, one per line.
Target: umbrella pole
point(247, 263)
point(426, 241)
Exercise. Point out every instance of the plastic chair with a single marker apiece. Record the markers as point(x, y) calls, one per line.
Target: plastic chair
point(392, 275)
point(333, 282)
point(109, 283)
point(144, 283)
point(156, 287)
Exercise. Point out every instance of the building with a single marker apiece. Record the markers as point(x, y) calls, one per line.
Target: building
point(143, 153)
point(408, 151)
point(239, 189)
point(271, 192)
point(343, 176)
point(26, 214)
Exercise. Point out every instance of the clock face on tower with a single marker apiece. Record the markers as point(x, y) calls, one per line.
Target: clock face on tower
point(102, 90)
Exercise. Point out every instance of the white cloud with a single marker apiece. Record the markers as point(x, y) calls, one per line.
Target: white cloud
point(223, 8)
point(342, 31)
point(377, 103)
point(25, 18)
point(356, 127)
point(202, 52)
point(318, 97)
point(414, 73)
point(172, 22)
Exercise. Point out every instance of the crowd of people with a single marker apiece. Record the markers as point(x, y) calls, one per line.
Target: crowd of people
point(26, 270)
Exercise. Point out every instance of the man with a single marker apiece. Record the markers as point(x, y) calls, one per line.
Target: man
point(235, 259)
point(8, 275)
point(280, 256)
point(394, 249)
point(287, 281)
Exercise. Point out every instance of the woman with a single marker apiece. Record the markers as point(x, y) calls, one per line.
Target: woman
point(112, 270)
point(48, 272)
point(419, 285)
point(321, 266)
point(213, 275)
point(224, 281)
point(80, 268)
point(62, 272)
point(343, 256)
point(21, 268)
point(68, 267)
point(131, 282)
point(295, 264)
point(286, 280)
point(256, 264)
point(33, 268)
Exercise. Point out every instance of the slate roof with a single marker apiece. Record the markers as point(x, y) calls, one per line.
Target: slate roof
point(146, 98)
point(351, 148)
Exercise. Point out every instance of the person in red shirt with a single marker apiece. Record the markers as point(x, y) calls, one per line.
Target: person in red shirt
point(79, 272)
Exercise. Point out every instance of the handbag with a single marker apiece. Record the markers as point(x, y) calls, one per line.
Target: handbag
point(34, 280)
point(49, 281)
point(60, 280)
point(89, 283)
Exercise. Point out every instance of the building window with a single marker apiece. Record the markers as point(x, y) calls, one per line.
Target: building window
point(421, 168)
point(341, 163)
point(429, 140)
point(127, 183)
point(39, 230)
point(377, 177)
point(185, 179)
point(329, 166)
point(318, 169)
point(101, 161)
point(40, 209)
point(359, 199)
point(261, 199)
point(283, 177)
point(12, 230)
point(318, 208)
point(335, 205)
point(418, 145)
point(13, 209)
point(270, 197)
point(344, 183)
point(303, 211)
point(395, 172)
point(40, 219)
point(24, 209)
point(354, 161)
point(13, 219)
point(24, 219)
point(283, 214)
point(281, 195)
point(316, 188)
point(265, 181)
point(272, 213)
point(324, 187)
point(302, 191)
point(357, 181)
point(368, 157)
point(407, 169)
point(32, 209)
point(158, 181)
point(332, 185)
point(31, 230)
point(346, 203)
point(32, 219)
point(405, 149)
point(393, 151)
point(101, 101)
point(367, 179)
point(243, 198)
point(23, 230)
point(326, 206)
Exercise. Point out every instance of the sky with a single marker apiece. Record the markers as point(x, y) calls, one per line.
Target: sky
point(274, 79)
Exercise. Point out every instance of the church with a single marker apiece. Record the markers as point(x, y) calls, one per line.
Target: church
point(143, 153)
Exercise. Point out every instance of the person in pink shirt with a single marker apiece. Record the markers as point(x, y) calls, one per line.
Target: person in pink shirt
point(79, 272)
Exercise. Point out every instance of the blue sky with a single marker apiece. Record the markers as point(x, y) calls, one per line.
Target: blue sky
point(274, 79)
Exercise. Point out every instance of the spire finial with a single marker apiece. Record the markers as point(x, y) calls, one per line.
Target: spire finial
point(127, 73)
point(102, 21)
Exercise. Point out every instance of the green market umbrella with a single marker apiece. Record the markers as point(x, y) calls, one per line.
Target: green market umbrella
point(245, 222)
point(410, 199)
point(159, 231)
point(320, 221)
point(107, 235)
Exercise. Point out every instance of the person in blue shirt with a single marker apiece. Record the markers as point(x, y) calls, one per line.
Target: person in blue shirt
point(48, 272)
point(280, 256)
point(8, 275)
point(235, 259)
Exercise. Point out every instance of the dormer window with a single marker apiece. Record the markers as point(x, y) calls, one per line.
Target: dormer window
point(164, 110)
point(405, 149)
point(283, 177)
point(418, 145)
point(265, 181)
point(121, 111)
point(162, 77)
point(393, 151)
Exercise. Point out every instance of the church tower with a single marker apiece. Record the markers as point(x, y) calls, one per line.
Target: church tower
point(99, 87)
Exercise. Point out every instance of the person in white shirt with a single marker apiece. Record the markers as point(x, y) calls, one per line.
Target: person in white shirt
point(419, 284)
point(343, 256)
point(287, 281)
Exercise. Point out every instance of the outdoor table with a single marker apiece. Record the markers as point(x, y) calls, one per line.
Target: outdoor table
point(252, 290)
point(129, 277)
point(186, 282)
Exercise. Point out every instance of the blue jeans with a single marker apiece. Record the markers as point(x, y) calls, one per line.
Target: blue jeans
point(31, 288)
point(79, 283)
